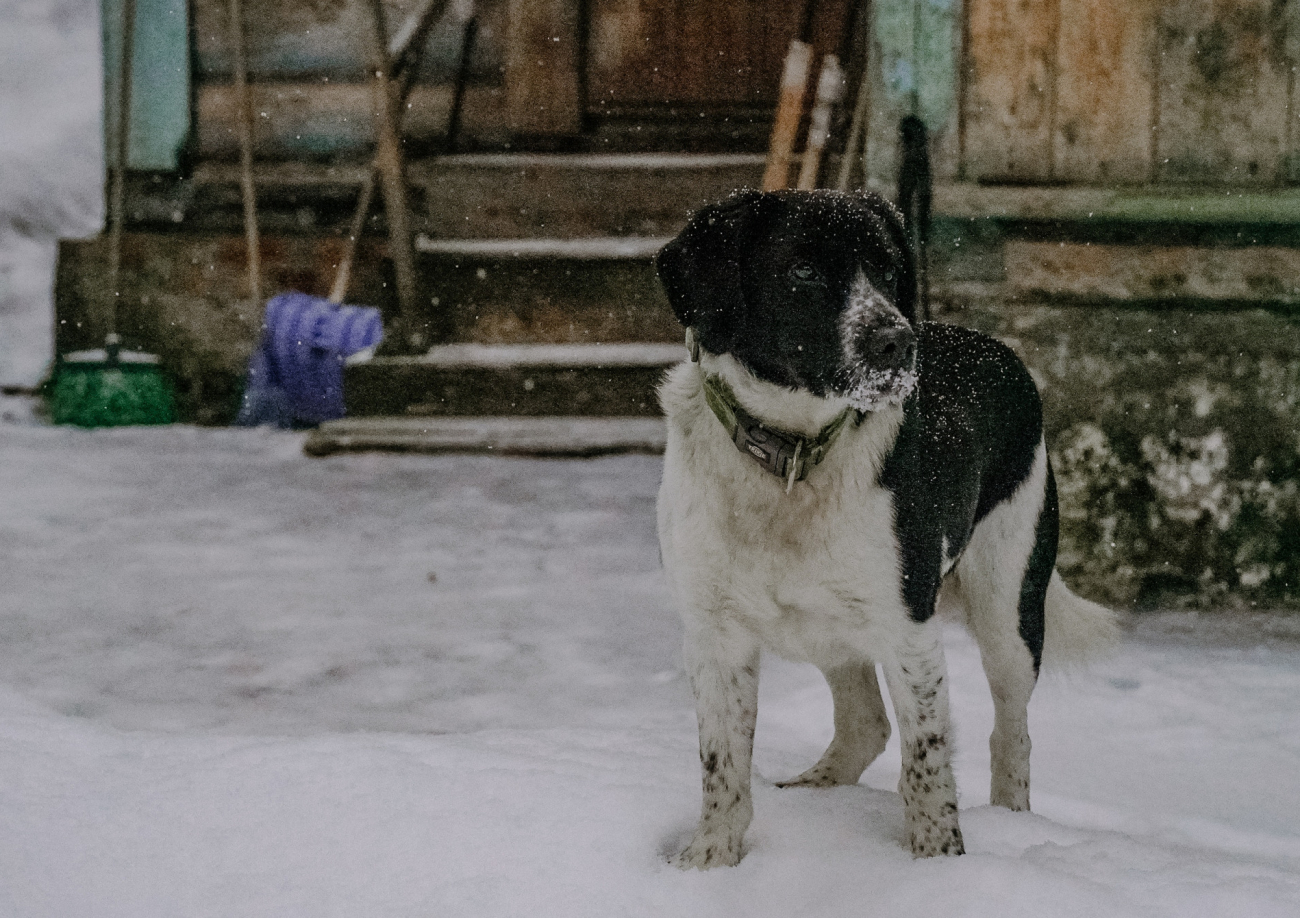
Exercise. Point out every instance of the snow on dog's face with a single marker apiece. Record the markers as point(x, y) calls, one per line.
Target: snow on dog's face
point(808, 290)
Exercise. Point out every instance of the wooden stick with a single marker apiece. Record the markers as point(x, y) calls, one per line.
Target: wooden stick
point(830, 88)
point(117, 194)
point(789, 112)
point(858, 128)
point(389, 160)
point(343, 276)
point(405, 52)
point(246, 152)
point(408, 44)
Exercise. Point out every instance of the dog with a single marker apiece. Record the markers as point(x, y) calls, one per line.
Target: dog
point(832, 462)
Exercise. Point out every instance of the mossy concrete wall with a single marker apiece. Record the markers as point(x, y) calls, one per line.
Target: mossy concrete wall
point(1175, 436)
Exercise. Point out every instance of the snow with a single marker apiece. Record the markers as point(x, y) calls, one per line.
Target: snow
point(240, 681)
point(50, 165)
point(237, 681)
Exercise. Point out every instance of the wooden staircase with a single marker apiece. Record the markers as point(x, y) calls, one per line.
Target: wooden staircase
point(552, 330)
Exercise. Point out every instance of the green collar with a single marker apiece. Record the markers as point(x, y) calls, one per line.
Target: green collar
point(786, 455)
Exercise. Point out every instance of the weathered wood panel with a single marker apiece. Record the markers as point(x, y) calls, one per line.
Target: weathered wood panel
point(1291, 159)
point(1010, 89)
point(542, 67)
point(1224, 86)
point(1106, 91)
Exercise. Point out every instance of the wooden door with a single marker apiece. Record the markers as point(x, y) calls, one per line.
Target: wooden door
point(696, 54)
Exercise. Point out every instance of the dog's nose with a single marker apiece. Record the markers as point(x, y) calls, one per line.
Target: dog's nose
point(891, 348)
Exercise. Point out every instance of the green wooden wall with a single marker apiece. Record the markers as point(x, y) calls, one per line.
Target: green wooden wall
point(160, 86)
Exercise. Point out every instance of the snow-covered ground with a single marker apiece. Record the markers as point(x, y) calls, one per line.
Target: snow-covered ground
point(235, 681)
point(239, 681)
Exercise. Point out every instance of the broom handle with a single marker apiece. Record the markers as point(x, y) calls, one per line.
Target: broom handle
point(789, 109)
point(339, 291)
point(117, 204)
point(247, 188)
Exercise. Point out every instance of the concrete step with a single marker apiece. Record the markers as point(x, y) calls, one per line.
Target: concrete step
point(572, 437)
point(533, 380)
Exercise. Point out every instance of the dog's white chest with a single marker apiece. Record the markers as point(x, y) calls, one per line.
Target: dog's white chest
point(817, 586)
point(813, 573)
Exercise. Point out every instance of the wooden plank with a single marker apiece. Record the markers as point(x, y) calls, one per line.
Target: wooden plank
point(571, 437)
point(542, 58)
point(1291, 159)
point(1010, 90)
point(1106, 90)
point(1076, 203)
point(1223, 91)
point(1176, 274)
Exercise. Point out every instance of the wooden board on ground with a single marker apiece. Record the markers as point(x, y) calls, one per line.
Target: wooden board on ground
point(567, 437)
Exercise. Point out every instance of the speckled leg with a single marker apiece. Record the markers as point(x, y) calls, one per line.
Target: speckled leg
point(861, 728)
point(918, 687)
point(723, 665)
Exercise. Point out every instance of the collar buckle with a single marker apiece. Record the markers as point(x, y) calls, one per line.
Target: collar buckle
point(788, 456)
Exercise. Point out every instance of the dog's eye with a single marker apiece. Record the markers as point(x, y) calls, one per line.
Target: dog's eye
point(803, 273)
point(889, 276)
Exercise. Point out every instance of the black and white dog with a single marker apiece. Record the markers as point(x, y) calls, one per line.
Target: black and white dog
point(831, 462)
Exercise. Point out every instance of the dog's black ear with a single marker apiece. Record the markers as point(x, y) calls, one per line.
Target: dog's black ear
point(700, 269)
point(899, 249)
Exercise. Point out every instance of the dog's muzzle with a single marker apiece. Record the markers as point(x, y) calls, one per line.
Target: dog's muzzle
point(882, 367)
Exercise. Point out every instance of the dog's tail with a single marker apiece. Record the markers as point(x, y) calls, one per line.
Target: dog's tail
point(1077, 631)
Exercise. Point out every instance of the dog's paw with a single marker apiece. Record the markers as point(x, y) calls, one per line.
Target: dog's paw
point(707, 851)
point(935, 840)
point(823, 775)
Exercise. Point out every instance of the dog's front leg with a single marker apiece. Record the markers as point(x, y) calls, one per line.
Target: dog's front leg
point(918, 687)
point(722, 660)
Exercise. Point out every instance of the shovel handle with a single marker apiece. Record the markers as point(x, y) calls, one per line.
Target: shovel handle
point(789, 112)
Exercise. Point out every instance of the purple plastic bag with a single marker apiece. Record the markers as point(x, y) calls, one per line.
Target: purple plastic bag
point(295, 378)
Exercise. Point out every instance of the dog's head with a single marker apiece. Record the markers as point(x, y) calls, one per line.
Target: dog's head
point(807, 290)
